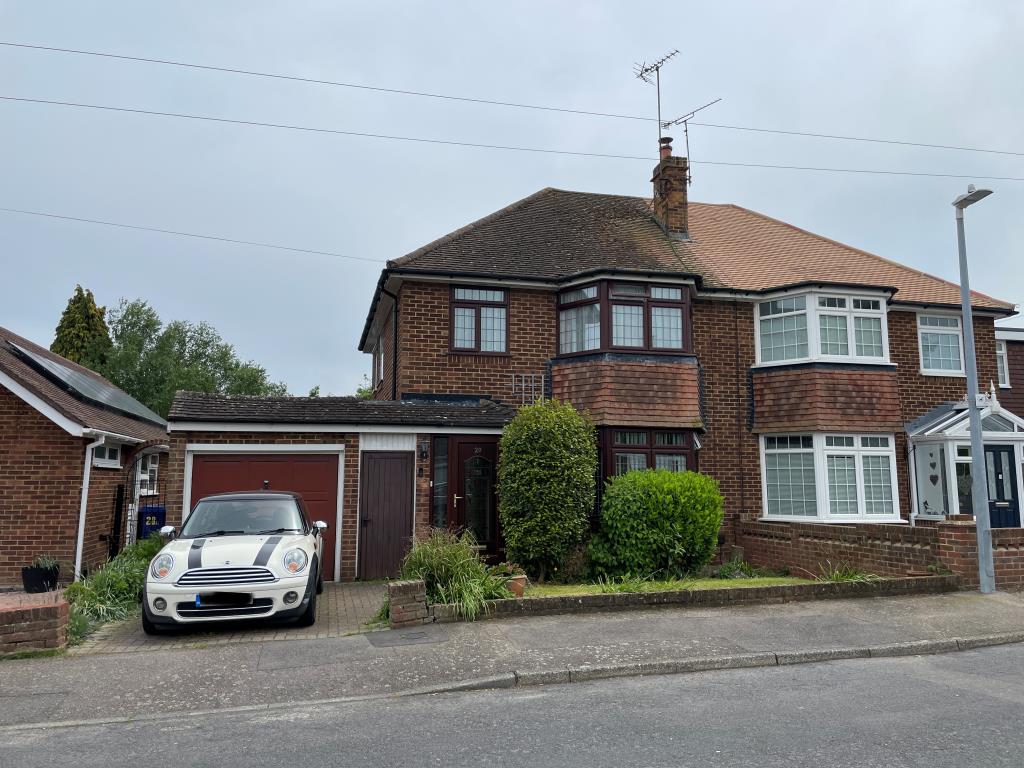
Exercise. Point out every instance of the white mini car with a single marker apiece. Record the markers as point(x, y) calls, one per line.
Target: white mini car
point(238, 556)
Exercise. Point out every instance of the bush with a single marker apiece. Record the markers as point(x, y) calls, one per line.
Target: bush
point(546, 484)
point(453, 572)
point(112, 592)
point(657, 523)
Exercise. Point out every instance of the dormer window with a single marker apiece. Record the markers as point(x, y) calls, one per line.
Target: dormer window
point(828, 327)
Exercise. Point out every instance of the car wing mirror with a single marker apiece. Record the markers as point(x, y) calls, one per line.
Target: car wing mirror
point(319, 526)
point(167, 532)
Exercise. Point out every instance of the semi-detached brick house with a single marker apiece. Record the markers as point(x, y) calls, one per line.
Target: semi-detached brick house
point(78, 459)
point(792, 368)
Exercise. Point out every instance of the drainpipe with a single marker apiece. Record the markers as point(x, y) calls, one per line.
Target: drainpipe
point(394, 342)
point(84, 502)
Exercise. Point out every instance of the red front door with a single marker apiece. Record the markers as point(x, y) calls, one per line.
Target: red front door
point(473, 498)
point(314, 477)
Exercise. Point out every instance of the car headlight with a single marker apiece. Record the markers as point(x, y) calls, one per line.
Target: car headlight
point(294, 560)
point(162, 566)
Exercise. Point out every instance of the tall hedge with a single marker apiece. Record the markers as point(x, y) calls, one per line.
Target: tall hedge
point(546, 481)
point(657, 522)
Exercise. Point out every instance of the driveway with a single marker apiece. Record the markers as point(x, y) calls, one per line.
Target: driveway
point(342, 609)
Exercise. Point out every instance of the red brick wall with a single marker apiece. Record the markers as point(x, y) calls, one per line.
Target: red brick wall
point(32, 622)
point(1013, 398)
point(723, 337)
point(350, 498)
point(641, 394)
point(819, 399)
point(40, 489)
point(426, 365)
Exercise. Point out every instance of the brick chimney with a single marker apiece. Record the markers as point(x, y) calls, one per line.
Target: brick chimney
point(670, 191)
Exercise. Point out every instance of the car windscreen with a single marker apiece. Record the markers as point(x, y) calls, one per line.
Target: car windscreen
point(238, 517)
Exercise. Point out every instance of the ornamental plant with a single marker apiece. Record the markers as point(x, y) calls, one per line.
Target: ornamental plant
point(657, 523)
point(546, 483)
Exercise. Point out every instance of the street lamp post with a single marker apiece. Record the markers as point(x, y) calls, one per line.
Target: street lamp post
point(979, 487)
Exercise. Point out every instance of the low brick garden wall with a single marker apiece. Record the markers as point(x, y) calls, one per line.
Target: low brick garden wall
point(886, 550)
point(32, 622)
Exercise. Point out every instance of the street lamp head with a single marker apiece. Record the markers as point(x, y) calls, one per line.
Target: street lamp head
point(973, 195)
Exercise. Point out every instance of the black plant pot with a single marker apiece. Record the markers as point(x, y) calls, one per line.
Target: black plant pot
point(40, 579)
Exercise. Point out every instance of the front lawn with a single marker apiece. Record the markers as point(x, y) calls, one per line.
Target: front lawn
point(671, 585)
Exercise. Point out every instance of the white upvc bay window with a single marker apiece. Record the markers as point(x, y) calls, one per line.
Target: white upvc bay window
point(822, 326)
point(830, 477)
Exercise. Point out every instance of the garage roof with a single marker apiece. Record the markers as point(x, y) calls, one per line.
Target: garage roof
point(244, 409)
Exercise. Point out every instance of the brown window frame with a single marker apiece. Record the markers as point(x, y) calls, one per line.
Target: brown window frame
point(475, 305)
point(607, 298)
point(650, 449)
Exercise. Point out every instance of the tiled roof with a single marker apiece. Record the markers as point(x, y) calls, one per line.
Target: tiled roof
point(85, 413)
point(197, 406)
point(554, 234)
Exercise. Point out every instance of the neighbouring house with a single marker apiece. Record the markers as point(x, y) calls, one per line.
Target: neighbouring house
point(375, 471)
point(1010, 370)
point(815, 381)
point(79, 460)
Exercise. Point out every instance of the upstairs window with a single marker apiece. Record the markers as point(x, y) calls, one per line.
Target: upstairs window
point(941, 343)
point(622, 316)
point(821, 327)
point(479, 320)
point(1002, 366)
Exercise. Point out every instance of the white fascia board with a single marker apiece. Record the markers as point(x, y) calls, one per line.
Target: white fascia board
point(23, 393)
point(1009, 334)
point(215, 426)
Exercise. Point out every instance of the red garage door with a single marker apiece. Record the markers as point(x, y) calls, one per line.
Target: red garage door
point(314, 477)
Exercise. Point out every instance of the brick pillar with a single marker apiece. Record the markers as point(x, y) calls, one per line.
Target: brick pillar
point(408, 603)
point(958, 547)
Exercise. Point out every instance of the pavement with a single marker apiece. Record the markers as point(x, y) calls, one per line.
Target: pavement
point(342, 609)
point(265, 674)
point(941, 711)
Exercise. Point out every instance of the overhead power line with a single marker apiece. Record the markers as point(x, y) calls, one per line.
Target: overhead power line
point(188, 234)
point(504, 147)
point(492, 102)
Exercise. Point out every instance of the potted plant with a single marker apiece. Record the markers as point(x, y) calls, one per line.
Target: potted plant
point(515, 577)
point(41, 575)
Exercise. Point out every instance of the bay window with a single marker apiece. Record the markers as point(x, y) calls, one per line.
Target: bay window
point(479, 320)
point(622, 316)
point(839, 477)
point(632, 448)
point(942, 345)
point(827, 327)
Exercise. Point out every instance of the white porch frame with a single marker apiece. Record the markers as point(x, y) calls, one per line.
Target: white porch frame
point(337, 449)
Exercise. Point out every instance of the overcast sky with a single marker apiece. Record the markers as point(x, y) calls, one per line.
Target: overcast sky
point(933, 72)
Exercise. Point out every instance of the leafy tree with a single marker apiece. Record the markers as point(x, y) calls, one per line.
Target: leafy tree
point(152, 361)
point(314, 392)
point(546, 482)
point(82, 334)
point(365, 389)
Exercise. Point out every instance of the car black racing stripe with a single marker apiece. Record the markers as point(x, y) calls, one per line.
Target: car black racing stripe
point(263, 556)
point(195, 554)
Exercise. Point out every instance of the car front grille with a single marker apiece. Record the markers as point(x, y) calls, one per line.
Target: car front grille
point(258, 607)
point(209, 577)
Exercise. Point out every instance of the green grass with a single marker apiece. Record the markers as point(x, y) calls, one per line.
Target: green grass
point(39, 654)
point(569, 590)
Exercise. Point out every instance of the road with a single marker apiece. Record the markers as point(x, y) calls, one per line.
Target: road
point(935, 711)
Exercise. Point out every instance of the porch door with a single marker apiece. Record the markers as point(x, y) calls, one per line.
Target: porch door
point(1003, 504)
point(473, 501)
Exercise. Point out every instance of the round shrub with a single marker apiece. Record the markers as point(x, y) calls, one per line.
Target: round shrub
point(546, 484)
point(657, 522)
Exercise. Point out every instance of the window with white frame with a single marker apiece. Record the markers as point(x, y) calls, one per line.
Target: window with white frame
point(377, 374)
point(149, 468)
point(816, 326)
point(830, 476)
point(1002, 367)
point(941, 344)
point(107, 456)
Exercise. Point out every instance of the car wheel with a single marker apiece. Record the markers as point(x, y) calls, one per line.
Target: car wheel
point(308, 616)
point(148, 626)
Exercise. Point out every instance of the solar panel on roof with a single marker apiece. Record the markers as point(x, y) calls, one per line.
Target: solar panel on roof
point(88, 387)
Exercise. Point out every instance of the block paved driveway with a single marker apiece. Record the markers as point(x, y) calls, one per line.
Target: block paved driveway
point(342, 609)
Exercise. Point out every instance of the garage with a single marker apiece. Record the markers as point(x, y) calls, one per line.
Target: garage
point(314, 476)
